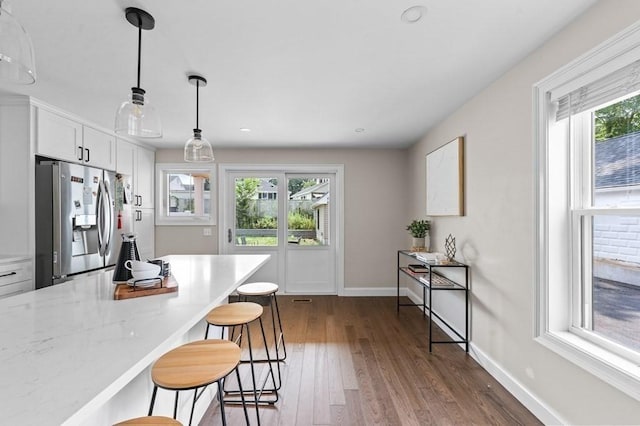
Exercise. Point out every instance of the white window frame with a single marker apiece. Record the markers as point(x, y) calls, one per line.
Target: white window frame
point(162, 169)
point(557, 267)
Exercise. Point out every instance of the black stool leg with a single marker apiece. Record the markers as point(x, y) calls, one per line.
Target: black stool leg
point(284, 346)
point(253, 374)
point(276, 387)
point(244, 403)
point(153, 399)
point(221, 400)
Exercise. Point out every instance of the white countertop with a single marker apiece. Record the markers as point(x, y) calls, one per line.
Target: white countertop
point(67, 349)
point(10, 258)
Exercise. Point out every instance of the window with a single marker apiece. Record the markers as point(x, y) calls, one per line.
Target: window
point(588, 212)
point(185, 194)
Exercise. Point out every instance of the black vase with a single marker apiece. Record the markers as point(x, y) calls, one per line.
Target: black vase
point(128, 251)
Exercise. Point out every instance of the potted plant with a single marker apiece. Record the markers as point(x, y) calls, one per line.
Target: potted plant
point(419, 230)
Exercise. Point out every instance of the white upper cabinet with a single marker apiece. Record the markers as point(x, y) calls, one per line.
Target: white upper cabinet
point(138, 163)
point(125, 157)
point(99, 148)
point(58, 137)
point(144, 186)
point(65, 139)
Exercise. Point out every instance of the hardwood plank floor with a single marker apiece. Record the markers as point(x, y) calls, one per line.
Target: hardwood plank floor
point(354, 361)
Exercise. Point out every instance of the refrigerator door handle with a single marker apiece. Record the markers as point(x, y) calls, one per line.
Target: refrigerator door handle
point(108, 217)
point(100, 219)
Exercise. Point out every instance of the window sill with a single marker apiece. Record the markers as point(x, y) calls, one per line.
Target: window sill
point(618, 372)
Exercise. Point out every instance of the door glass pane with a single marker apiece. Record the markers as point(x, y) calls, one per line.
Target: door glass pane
point(308, 211)
point(256, 201)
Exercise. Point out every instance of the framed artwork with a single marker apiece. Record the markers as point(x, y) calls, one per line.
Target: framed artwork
point(445, 179)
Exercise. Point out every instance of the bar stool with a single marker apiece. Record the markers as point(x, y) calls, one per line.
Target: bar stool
point(267, 289)
point(241, 314)
point(196, 365)
point(150, 420)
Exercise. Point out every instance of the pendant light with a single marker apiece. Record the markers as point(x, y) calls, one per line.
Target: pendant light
point(198, 149)
point(17, 61)
point(136, 117)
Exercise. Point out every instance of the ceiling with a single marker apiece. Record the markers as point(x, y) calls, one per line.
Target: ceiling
point(331, 73)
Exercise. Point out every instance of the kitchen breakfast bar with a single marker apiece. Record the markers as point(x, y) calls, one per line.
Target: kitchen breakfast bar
point(71, 354)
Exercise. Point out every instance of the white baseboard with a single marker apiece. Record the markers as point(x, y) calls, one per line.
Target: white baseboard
point(539, 409)
point(545, 414)
point(371, 291)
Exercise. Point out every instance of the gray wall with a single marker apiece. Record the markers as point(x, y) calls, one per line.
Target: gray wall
point(375, 202)
point(497, 234)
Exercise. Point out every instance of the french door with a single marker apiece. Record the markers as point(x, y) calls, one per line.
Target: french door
point(291, 214)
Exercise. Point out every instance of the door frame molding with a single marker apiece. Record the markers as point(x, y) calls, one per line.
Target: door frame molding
point(337, 169)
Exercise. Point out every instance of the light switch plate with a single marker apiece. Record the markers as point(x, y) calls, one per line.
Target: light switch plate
point(206, 232)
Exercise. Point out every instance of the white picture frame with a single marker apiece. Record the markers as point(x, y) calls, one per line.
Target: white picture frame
point(445, 179)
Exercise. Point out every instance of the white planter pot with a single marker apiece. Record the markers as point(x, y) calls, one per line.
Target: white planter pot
point(418, 242)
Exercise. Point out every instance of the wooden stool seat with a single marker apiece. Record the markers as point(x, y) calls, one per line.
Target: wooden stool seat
point(195, 364)
point(150, 420)
point(234, 314)
point(257, 289)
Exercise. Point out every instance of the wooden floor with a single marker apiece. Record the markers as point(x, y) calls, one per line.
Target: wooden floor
point(354, 361)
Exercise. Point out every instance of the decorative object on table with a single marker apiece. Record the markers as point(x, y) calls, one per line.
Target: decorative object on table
point(450, 247)
point(445, 179)
point(139, 288)
point(197, 149)
point(128, 251)
point(418, 268)
point(419, 230)
point(136, 116)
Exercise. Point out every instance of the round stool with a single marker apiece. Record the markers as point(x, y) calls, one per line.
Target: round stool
point(268, 289)
point(150, 420)
point(241, 314)
point(196, 365)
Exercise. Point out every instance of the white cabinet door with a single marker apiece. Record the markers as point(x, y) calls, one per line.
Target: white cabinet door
point(144, 178)
point(58, 137)
point(125, 157)
point(99, 149)
point(144, 228)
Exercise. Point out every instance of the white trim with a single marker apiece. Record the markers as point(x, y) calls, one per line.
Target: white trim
point(620, 50)
point(337, 169)
point(542, 411)
point(372, 291)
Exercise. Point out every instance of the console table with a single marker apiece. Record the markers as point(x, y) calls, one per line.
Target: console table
point(433, 280)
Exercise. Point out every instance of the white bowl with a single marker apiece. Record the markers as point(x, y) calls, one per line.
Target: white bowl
point(136, 265)
point(145, 274)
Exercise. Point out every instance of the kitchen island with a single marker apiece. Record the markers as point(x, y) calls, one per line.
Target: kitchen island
point(70, 354)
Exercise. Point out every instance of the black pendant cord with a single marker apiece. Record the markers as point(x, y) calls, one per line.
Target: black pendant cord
point(139, 49)
point(197, 103)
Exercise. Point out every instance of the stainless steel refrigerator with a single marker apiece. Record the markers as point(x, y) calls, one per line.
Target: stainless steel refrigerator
point(75, 221)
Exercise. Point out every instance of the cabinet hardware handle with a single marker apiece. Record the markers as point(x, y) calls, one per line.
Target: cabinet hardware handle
point(9, 274)
point(80, 151)
point(229, 236)
point(140, 200)
point(87, 149)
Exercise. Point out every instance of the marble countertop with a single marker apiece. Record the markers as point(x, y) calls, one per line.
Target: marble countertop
point(67, 349)
point(5, 258)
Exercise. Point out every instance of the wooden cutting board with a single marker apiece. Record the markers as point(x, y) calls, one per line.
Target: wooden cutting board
point(125, 291)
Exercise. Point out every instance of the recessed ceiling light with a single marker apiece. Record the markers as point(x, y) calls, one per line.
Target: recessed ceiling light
point(359, 130)
point(244, 129)
point(413, 14)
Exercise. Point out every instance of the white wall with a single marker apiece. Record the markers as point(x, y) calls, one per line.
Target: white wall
point(375, 202)
point(496, 236)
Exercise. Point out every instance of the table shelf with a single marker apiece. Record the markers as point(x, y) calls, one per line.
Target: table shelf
point(434, 280)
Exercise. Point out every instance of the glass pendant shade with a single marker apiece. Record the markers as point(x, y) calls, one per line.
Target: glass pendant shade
point(198, 149)
point(17, 61)
point(137, 117)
